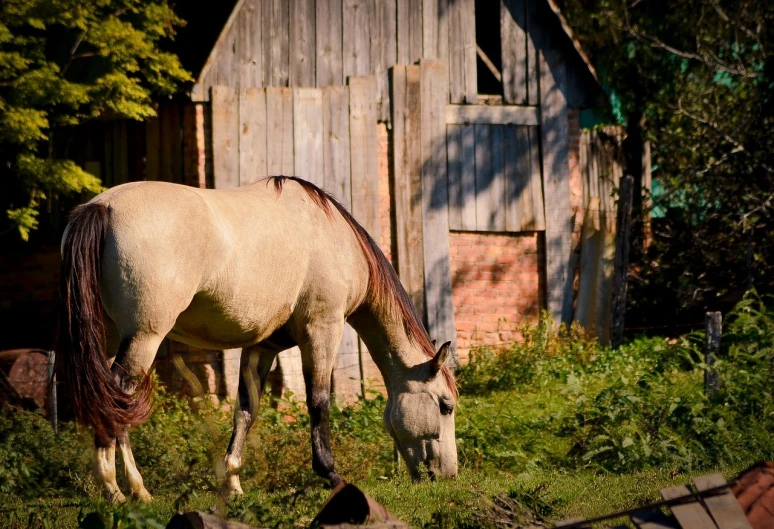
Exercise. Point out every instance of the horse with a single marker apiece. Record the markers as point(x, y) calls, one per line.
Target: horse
point(264, 267)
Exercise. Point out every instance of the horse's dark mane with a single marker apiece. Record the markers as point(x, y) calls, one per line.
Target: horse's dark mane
point(384, 286)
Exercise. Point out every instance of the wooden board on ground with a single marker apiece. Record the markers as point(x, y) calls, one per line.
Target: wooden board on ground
point(723, 507)
point(691, 514)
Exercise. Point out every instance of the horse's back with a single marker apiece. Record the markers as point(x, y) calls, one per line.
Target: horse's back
point(226, 267)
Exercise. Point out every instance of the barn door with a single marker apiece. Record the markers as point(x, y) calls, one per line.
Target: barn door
point(324, 135)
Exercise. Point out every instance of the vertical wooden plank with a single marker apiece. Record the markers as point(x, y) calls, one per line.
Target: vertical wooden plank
point(357, 22)
point(250, 45)
point(409, 30)
point(435, 216)
point(462, 51)
point(252, 135)
point(308, 134)
point(516, 175)
point(533, 59)
point(454, 171)
point(337, 180)
point(279, 131)
point(384, 50)
point(430, 29)
point(225, 137)
point(402, 31)
point(407, 191)
point(496, 192)
point(302, 42)
point(276, 28)
point(484, 175)
point(586, 309)
point(336, 150)
point(329, 43)
point(442, 33)
point(514, 51)
point(537, 219)
point(152, 146)
point(362, 130)
point(556, 180)
point(461, 155)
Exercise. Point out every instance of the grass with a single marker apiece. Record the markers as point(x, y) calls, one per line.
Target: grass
point(551, 428)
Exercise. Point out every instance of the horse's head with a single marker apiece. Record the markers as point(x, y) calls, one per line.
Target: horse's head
point(420, 418)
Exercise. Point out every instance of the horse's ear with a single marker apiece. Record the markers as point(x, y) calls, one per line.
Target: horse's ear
point(436, 364)
point(433, 342)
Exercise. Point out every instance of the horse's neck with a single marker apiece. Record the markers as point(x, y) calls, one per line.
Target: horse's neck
point(385, 337)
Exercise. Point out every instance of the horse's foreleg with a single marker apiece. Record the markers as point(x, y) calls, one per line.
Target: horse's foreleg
point(252, 380)
point(318, 356)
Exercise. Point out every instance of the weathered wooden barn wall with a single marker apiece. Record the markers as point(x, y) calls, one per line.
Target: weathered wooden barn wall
point(297, 87)
point(317, 43)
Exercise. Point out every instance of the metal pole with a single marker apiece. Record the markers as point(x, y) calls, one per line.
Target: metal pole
point(52, 400)
point(714, 321)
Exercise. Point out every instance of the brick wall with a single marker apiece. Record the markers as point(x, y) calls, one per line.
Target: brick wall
point(194, 145)
point(497, 282)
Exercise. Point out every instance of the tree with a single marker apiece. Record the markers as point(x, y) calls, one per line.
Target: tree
point(696, 78)
point(63, 62)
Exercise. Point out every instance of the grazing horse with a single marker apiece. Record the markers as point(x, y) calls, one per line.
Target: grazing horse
point(265, 267)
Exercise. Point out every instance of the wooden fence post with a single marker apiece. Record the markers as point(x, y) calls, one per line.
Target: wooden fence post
point(714, 321)
point(52, 400)
point(621, 270)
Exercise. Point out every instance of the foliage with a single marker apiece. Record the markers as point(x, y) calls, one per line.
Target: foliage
point(641, 406)
point(696, 80)
point(63, 62)
point(577, 429)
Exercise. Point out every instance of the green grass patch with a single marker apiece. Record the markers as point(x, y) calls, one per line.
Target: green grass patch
point(553, 427)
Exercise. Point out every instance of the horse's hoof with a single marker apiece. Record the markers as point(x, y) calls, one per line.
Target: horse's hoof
point(231, 490)
point(116, 498)
point(142, 495)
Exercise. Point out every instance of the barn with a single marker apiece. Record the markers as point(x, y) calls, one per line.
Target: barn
point(449, 128)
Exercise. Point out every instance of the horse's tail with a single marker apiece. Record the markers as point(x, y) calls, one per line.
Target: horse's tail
point(83, 368)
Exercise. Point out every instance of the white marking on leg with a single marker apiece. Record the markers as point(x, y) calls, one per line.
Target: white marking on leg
point(136, 485)
point(105, 472)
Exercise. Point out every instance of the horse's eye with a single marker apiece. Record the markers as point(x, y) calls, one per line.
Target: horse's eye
point(447, 406)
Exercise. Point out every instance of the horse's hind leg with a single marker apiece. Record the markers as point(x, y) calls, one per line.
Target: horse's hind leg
point(252, 380)
point(133, 361)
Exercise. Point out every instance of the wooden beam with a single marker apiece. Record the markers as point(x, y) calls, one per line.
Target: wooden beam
point(407, 183)
point(365, 176)
point(491, 115)
point(556, 186)
point(434, 89)
point(514, 50)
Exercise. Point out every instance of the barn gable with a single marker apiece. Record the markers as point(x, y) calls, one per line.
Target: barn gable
point(278, 43)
